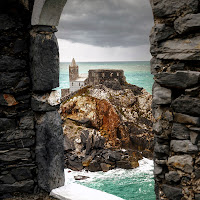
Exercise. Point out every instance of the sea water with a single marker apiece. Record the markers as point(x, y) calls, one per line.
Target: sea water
point(135, 184)
point(136, 72)
point(132, 184)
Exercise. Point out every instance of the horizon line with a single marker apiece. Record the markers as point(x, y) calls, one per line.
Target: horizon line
point(109, 61)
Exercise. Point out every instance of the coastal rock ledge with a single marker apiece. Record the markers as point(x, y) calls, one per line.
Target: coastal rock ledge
point(107, 127)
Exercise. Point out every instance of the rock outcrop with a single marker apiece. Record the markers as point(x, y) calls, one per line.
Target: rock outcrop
point(106, 128)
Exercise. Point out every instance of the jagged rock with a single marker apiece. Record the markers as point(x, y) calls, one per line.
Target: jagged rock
point(187, 105)
point(172, 176)
point(183, 146)
point(87, 160)
point(124, 164)
point(161, 95)
point(183, 162)
point(68, 144)
point(44, 62)
point(179, 79)
point(190, 22)
point(172, 193)
point(75, 164)
point(49, 149)
point(105, 167)
point(173, 7)
point(94, 166)
point(180, 131)
point(84, 137)
point(186, 119)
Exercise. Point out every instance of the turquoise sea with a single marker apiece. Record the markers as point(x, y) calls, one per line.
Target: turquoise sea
point(136, 72)
point(135, 184)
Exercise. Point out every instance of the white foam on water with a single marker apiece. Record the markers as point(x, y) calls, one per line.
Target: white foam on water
point(73, 191)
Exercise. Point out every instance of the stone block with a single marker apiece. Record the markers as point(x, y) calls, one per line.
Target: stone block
point(186, 119)
point(7, 124)
point(11, 64)
point(22, 186)
point(180, 131)
point(156, 65)
point(26, 122)
point(44, 62)
point(94, 166)
point(8, 79)
point(157, 169)
point(14, 155)
point(16, 135)
point(40, 103)
point(193, 92)
point(161, 95)
point(49, 151)
point(166, 8)
point(183, 162)
point(178, 49)
point(172, 176)
point(183, 146)
point(171, 192)
point(188, 23)
point(179, 79)
point(22, 173)
point(7, 179)
point(187, 105)
point(161, 148)
point(161, 32)
point(194, 137)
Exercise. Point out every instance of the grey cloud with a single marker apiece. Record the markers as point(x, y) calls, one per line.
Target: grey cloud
point(106, 23)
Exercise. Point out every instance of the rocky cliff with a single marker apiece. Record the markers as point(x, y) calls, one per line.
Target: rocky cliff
point(108, 122)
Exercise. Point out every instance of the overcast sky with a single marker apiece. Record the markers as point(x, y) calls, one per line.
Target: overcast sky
point(105, 30)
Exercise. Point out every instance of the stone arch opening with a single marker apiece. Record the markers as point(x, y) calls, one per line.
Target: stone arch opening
point(176, 73)
point(175, 65)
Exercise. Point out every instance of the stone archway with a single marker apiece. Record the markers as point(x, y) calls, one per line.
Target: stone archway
point(175, 67)
point(28, 110)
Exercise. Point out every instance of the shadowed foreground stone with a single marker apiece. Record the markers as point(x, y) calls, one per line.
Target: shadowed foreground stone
point(172, 193)
point(50, 151)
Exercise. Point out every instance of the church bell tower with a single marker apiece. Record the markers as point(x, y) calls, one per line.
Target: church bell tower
point(73, 71)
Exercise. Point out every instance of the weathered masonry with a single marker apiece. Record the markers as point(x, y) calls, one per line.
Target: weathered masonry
point(31, 151)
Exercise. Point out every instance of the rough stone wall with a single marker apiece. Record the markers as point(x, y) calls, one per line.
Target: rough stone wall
point(176, 98)
point(17, 135)
point(31, 136)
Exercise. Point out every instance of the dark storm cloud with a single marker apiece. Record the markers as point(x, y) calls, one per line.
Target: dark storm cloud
point(106, 23)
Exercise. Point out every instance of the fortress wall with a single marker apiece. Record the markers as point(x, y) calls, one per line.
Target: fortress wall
point(176, 98)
